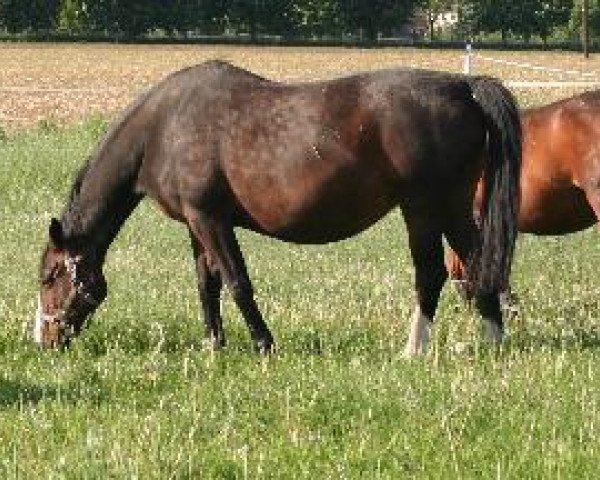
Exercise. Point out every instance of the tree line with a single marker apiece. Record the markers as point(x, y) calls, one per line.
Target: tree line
point(367, 19)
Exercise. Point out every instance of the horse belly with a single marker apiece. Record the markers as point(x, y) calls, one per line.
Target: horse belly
point(334, 220)
point(555, 212)
point(322, 209)
point(556, 149)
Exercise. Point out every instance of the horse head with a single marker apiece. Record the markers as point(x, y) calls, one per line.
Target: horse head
point(72, 287)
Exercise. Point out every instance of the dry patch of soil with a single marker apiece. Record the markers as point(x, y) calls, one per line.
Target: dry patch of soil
point(64, 83)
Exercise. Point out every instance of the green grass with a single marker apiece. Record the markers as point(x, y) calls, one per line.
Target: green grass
point(140, 396)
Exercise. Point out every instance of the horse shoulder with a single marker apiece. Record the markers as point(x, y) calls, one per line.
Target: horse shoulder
point(580, 130)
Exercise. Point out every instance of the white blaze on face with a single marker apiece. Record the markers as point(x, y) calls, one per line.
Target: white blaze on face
point(418, 338)
point(38, 325)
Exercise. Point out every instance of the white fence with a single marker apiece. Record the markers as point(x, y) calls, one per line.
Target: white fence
point(580, 78)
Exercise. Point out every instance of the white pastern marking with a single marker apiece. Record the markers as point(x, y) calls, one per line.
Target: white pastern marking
point(39, 323)
point(418, 338)
point(492, 332)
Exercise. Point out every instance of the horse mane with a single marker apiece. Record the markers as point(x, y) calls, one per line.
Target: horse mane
point(71, 217)
point(221, 66)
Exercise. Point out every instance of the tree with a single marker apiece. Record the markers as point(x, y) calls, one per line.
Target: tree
point(207, 16)
point(72, 15)
point(494, 16)
point(373, 17)
point(317, 17)
point(262, 16)
point(575, 21)
point(433, 8)
point(132, 17)
point(17, 15)
point(525, 18)
point(103, 15)
point(551, 15)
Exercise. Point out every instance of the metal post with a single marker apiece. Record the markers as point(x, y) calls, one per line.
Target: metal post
point(468, 60)
point(585, 27)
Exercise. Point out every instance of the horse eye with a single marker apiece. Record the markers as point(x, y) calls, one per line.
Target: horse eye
point(50, 275)
point(47, 279)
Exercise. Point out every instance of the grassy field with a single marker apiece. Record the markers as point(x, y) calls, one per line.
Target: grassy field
point(140, 396)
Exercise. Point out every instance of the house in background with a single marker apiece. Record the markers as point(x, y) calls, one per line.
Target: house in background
point(430, 22)
point(445, 20)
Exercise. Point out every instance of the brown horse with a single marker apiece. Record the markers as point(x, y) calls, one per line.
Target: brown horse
point(560, 172)
point(218, 147)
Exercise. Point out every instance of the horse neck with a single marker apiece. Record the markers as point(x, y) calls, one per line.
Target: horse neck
point(104, 195)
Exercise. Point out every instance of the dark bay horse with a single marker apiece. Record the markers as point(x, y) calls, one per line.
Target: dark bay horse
point(560, 172)
point(218, 147)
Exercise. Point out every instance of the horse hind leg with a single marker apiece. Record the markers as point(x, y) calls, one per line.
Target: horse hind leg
point(461, 236)
point(427, 252)
point(218, 240)
point(209, 292)
point(593, 197)
point(456, 272)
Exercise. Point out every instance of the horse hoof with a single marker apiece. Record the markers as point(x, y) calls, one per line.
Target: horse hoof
point(462, 349)
point(264, 346)
point(410, 352)
point(215, 343)
point(218, 343)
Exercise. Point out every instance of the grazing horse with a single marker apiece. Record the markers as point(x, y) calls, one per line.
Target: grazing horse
point(560, 172)
point(218, 147)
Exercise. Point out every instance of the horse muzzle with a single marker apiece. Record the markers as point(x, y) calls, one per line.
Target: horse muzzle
point(51, 331)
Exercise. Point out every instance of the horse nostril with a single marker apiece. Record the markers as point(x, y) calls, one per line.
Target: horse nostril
point(51, 334)
point(64, 343)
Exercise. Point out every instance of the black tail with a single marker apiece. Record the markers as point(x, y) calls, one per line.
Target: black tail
point(489, 267)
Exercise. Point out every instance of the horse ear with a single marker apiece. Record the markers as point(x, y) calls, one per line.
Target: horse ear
point(57, 236)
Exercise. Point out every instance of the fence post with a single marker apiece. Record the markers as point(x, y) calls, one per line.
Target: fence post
point(585, 34)
point(468, 60)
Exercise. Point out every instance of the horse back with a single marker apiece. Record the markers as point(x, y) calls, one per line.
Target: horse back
point(285, 159)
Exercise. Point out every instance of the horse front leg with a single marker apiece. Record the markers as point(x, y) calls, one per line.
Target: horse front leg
point(209, 294)
point(218, 240)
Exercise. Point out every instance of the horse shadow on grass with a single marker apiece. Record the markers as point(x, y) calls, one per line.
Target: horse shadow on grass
point(576, 339)
point(524, 337)
point(14, 393)
point(306, 343)
point(569, 336)
point(176, 336)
